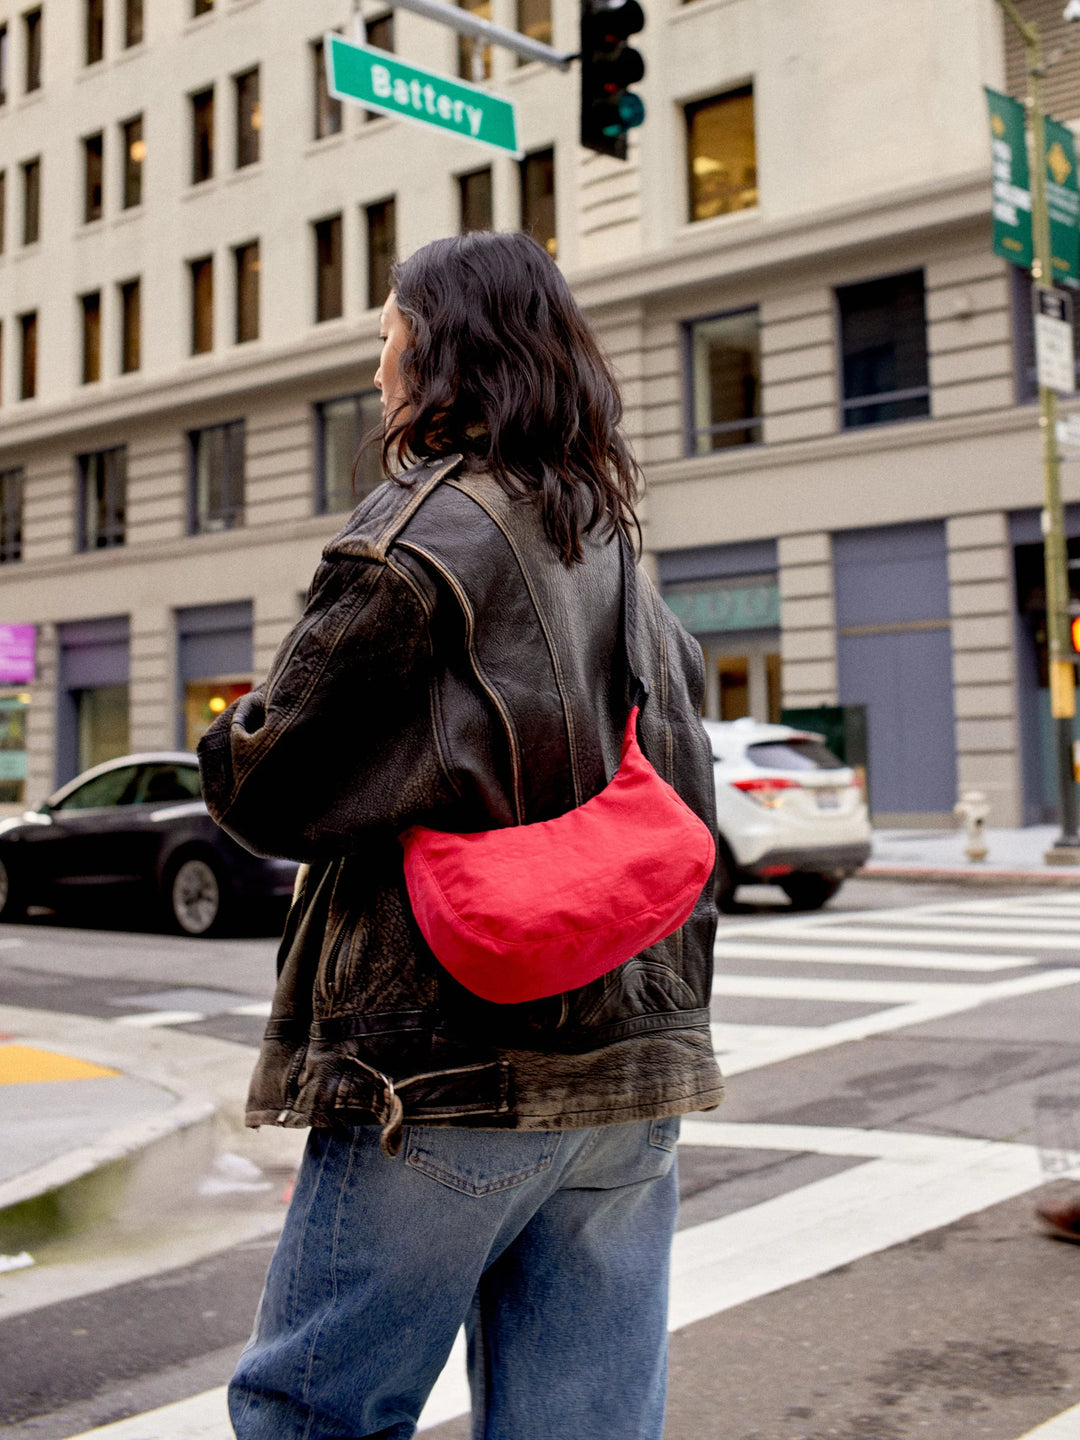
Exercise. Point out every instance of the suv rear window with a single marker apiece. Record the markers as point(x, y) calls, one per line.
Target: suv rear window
point(793, 755)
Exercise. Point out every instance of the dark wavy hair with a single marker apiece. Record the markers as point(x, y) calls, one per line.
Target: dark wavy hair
point(502, 367)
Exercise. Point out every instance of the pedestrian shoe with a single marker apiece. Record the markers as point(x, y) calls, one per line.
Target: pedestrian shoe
point(1061, 1218)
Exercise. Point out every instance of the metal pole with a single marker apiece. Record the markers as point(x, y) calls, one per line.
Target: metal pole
point(1066, 848)
point(466, 24)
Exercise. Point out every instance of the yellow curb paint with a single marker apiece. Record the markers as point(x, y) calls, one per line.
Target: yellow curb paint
point(23, 1065)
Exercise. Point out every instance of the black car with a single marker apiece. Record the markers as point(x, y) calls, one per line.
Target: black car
point(136, 824)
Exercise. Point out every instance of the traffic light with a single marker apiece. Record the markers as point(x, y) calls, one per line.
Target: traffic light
point(1074, 632)
point(609, 66)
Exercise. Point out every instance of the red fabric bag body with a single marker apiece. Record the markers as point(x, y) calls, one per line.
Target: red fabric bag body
point(528, 911)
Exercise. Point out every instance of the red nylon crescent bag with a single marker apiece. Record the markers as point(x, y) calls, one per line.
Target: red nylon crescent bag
point(528, 911)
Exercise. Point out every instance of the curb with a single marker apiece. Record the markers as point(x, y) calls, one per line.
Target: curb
point(973, 874)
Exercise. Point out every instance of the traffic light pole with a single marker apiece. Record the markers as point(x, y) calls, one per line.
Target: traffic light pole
point(1066, 848)
point(466, 24)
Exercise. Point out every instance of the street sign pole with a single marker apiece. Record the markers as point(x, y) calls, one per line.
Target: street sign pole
point(1066, 848)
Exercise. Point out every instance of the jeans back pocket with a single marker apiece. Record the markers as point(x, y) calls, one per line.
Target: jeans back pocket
point(480, 1162)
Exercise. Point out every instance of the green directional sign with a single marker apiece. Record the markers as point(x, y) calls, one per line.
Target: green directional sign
point(380, 81)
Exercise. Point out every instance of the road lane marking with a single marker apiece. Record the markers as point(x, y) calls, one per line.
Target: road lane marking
point(909, 1184)
point(878, 955)
point(151, 1019)
point(1065, 1426)
point(863, 934)
point(804, 987)
point(973, 929)
point(259, 1008)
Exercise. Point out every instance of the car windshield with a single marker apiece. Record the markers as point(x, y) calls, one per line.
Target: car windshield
point(798, 753)
point(168, 785)
point(114, 787)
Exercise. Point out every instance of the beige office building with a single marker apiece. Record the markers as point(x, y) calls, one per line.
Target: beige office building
point(827, 373)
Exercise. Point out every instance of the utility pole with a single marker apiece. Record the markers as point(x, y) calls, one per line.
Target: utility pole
point(1066, 848)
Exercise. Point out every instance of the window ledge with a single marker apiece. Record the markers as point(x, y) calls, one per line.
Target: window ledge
point(31, 97)
point(698, 7)
point(200, 188)
point(244, 172)
point(325, 142)
point(27, 252)
point(128, 216)
point(91, 72)
point(715, 223)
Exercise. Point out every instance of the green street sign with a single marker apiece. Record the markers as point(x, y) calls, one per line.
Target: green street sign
point(380, 81)
point(1012, 190)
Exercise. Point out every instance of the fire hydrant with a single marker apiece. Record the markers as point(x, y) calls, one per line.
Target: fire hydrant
point(973, 808)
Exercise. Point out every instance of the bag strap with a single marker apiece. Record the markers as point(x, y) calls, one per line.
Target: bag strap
point(637, 688)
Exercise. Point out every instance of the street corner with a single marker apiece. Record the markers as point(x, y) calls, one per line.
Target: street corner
point(23, 1064)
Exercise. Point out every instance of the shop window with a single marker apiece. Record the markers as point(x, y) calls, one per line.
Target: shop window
point(883, 350)
point(134, 155)
point(328, 111)
point(537, 173)
point(217, 477)
point(202, 136)
point(381, 224)
point(247, 291)
point(474, 57)
point(11, 513)
point(28, 332)
point(33, 26)
point(102, 734)
point(721, 154)
point(90, 305)
point(534, 20)
point(93, 176)
point(344, 474)
point(102, 498)
point(204, 701)
point(31, 172)
point(202, 304)
point(475, 200)
point(723, 358)
point(248, 118)
point(130, 326)
point(328, 268)
point(13, 749)
point(133, 23)
point(95, 31)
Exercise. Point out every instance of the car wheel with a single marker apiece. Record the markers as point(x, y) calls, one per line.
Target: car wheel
point(725, 882)
point(11, 906)
point(195, 896)
point(809, 892)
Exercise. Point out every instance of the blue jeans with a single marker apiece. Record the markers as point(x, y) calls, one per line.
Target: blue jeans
point(551, 1247)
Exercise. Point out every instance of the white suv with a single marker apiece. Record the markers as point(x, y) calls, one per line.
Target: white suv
point(788, 812)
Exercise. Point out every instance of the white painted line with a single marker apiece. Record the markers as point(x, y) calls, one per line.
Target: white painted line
point(980, 930)
point(11, 944)
point(803, 987)
point(202, 1417)
point(943, 935)
point(1065, 1426)
point(755, 1051)
point(890, 959)
point(259, 1008)
point(152, 1019)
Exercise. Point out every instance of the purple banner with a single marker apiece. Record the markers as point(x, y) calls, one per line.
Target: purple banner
point(17, 644)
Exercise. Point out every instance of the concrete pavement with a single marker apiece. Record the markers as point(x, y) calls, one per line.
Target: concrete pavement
point(1013, 855)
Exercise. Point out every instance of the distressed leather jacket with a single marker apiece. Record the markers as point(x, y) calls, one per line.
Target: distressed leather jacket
point(451, 671)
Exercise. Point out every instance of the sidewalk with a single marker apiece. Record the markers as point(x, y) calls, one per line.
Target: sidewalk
point(1015, 857)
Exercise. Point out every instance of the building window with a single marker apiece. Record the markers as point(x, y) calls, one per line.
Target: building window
point(28, 360)
point(130, 327)
point(534, 20)
point(723, 355)
point(11, 507)
point(134, 155)
point(328, 111)
point(721, 155)
point(381, 248)
point(202, 136)
point(883, 348)
point(538, 198)
point(201, 7)
point(133, 23)
point(93, 176)
point(95, 31)
point(380, 32)
point(3, 64)
point(217, 477)
point(33, 24)
point(474, 57)
point(342, 475)
point(328, 268)
point(248, 118)
point(202, 305)
point(474, 200)
point(247, 292)
point(91, 337)
point(102, 498)
point(31, 201)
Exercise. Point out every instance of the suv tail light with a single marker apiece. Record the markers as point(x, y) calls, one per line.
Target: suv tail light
point(766, 790)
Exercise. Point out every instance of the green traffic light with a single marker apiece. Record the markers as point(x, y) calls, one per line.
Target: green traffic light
point(629, 113)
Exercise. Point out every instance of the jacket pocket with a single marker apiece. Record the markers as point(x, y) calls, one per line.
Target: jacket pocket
point(480, 1162)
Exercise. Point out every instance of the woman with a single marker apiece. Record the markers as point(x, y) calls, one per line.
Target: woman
point(509, 1168)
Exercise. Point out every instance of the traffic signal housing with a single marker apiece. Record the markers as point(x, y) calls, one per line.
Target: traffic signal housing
point(1074, 633)
point(609, 66)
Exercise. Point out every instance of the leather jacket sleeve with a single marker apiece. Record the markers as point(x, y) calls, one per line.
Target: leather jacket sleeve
point(316, 761)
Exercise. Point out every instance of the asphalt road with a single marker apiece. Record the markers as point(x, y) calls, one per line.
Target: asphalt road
point(857, 1256)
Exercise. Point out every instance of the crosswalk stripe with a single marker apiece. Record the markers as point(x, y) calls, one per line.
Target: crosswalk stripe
point(1065, 1426)
point(152, 1019)
point(1005, 925)
point(943, 935)
point(801, 987)
point(906, 959)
